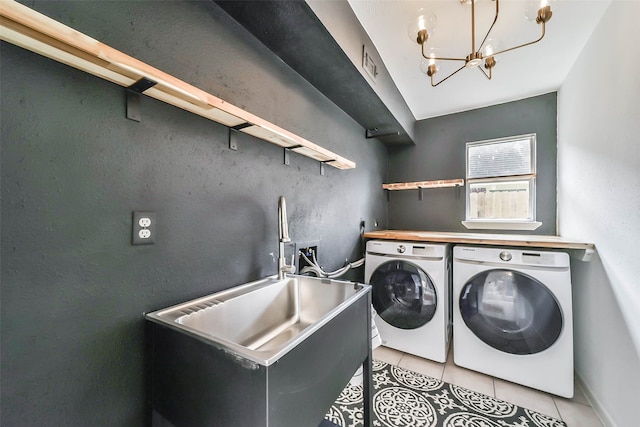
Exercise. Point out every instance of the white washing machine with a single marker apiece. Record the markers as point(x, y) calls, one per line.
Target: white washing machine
point(512, 316)
point(410, 288)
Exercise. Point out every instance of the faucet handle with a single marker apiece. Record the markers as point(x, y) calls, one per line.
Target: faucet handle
point(283, 225)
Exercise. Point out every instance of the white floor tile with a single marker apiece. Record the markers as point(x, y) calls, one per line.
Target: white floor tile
point(468, 379)
point(422, 366)
point(577, 414)
point(389, 355)
point(526, 397)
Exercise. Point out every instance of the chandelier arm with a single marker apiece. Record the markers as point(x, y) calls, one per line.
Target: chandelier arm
point(440, 59)
point(435, 58)
point(488, 76)
point(450, 75)
point(523, 45)
point(495, 19)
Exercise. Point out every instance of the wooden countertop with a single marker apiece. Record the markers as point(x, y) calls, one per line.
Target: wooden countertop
point(555, 242)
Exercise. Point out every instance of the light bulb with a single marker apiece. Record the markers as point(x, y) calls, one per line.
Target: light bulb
point(531, 13)
point(491, 47)
point(426, 63)
point(429, 67)
point(430, 60)
point(544, 12)
point(423, 21)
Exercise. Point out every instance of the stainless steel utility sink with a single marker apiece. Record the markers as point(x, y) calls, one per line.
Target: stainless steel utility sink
point(263, 320)
point(271, 353)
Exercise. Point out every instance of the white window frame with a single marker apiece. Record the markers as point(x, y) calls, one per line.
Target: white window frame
point(529, 223)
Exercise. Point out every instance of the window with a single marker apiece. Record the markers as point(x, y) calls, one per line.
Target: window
point(501, 183)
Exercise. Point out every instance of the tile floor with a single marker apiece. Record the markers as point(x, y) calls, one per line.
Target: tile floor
point(576, 412)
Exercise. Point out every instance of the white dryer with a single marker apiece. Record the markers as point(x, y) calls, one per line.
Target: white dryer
point(512, 316)
point(410, 288)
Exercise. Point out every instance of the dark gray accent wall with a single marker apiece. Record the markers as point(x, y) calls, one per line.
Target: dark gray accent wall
point(73, 168)
point(439, 153)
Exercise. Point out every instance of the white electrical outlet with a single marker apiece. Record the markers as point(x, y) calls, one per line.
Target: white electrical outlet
point(143, 228)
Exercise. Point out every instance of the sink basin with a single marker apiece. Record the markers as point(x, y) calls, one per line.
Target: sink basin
point(263, 320)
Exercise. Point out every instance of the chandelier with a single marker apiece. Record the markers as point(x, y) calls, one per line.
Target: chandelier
point(423, 26)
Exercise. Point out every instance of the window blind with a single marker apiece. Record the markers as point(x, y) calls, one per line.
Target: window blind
point(500, 158)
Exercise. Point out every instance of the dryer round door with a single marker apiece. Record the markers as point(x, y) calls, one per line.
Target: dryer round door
point(511, 311)
point(403, 295)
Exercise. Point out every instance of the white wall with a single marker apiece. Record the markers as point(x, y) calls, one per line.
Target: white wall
point(599, 202)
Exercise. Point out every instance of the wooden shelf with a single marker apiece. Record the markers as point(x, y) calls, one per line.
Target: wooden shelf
point(38, 33)
point(539, 241)
point(443, 183)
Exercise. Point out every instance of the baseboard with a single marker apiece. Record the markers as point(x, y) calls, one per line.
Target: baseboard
point(594, 402)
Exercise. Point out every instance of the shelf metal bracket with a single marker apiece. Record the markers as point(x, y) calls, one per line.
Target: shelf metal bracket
point(377, 133)
point(233, 130)
point(584, 255)
point(287, 161)
point(322, 162)
point(233, 143)
point(134, 93)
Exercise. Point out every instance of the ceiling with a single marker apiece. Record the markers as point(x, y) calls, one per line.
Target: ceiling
point(388, 107)
point(530, 71)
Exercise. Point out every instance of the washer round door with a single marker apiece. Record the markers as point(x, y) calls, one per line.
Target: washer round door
point(403, 295)
point(511, 311)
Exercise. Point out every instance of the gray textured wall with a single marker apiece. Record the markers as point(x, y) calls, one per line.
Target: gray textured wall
point(74, 168)
point(439, 153)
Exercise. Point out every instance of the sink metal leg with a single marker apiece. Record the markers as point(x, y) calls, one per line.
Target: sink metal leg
point(367, 380)
point(367, 393)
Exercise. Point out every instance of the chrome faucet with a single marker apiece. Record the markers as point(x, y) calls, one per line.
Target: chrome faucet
point(283, 237)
